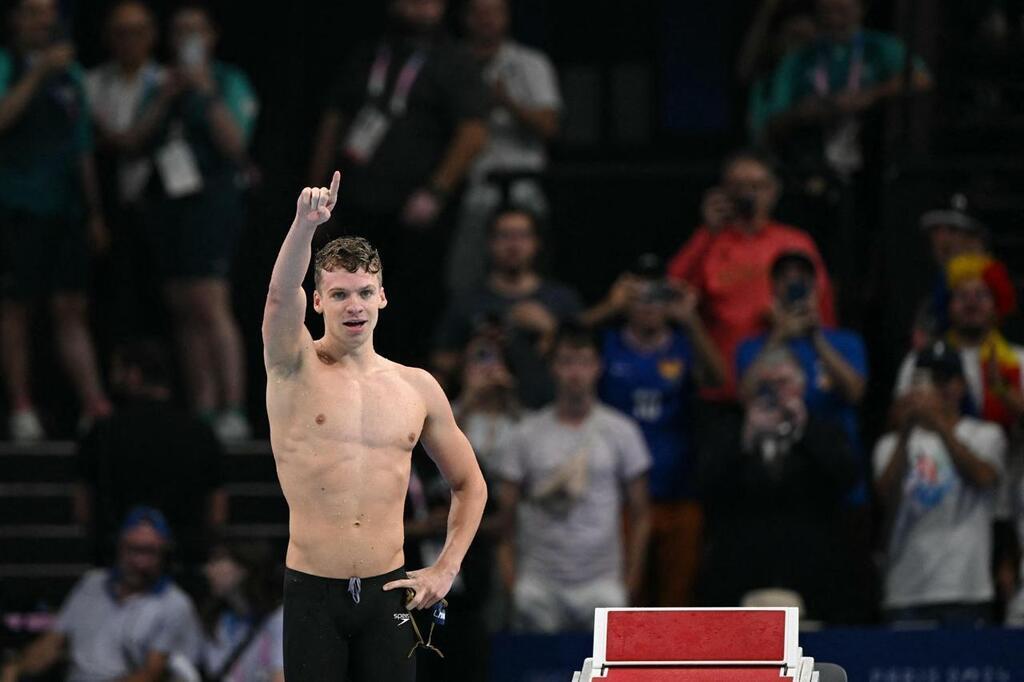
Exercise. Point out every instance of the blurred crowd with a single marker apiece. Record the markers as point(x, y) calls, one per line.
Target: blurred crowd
point(694, 437)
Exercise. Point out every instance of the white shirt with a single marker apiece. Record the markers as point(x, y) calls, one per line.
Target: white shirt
point(116, 103)
point(940, 549)
point(111, 637)
point(263, 656)
point(530, 81)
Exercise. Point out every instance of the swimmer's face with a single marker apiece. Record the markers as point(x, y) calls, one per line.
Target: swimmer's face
point(350, 303)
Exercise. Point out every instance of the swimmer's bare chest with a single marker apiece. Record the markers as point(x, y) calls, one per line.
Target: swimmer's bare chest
point(342, 443)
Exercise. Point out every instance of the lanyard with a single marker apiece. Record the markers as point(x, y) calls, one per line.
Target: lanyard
point(856, 68)
point(403, 84)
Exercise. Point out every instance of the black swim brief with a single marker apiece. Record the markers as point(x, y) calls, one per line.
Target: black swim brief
point(346, 630)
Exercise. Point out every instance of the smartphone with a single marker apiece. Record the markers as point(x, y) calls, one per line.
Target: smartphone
point(767, 394)
point(744, 206)
point(192, 53)
point(922, 378)
point(796, 292)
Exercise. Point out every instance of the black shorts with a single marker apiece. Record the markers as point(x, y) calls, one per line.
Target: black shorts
point(196, 237)
point(42, 255)
point(328, 636)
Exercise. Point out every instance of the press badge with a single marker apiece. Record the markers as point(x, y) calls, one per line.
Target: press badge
point(366, 133)
point(177, 166)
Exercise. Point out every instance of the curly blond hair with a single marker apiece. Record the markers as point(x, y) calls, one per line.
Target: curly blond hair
point(351, 253)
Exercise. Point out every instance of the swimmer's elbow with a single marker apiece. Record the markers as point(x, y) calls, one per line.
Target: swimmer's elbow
point(472, 486)
point(483, 491)
point(480, 488)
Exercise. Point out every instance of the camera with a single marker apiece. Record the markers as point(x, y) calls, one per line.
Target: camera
point(486, 353)
point(744, 206)
point(767, 394)
point(659, 292)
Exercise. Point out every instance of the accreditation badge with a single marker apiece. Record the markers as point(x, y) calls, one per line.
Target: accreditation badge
point(177, 166)
point(367, 131)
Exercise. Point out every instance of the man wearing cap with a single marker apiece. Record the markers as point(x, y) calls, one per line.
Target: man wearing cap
point(981, 295)
point(937, 477)
point(951, 232)
point(124, 623)
point(833, 360)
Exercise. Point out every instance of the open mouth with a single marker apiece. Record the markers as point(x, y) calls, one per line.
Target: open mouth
point(355, 324)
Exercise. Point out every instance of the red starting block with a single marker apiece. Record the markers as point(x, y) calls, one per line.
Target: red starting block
point(698, 645)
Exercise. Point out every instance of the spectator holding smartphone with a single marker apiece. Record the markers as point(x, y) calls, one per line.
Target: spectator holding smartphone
point(773, 478)
point(937, 475)
point(197, 126)
point(728, 259)
point(833, 360)
point(653, 364)
point(49, 211)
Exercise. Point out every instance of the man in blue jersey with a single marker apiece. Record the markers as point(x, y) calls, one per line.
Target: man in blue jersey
point(833, 360)
point(652, 364)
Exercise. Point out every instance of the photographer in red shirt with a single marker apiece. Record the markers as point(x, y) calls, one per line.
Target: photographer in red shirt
point(728, 259)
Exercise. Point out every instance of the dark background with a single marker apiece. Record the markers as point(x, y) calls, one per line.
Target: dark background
point(651, 106)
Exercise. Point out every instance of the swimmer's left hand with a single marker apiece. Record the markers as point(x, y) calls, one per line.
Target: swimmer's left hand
point(429, 586)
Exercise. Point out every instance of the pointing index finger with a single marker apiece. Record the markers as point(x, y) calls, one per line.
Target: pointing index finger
point(335, 183)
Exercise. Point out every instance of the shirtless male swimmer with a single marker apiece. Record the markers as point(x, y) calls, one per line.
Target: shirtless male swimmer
point(343, 423)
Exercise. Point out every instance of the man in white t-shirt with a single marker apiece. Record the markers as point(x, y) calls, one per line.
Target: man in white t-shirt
point(1015, 609)
point(567, 472)
point(981, 295)
point(129, 622)
point(523, 119)
point(937, 477)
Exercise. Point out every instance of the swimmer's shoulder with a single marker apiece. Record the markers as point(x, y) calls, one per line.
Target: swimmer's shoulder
point(417, 378)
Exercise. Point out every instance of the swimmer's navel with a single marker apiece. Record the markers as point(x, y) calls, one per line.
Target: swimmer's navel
point(320, 419)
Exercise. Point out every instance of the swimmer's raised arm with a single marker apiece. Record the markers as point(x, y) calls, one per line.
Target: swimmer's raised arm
point(284, 315)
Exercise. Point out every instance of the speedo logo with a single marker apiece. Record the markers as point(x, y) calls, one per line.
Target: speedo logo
point(402, 618)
